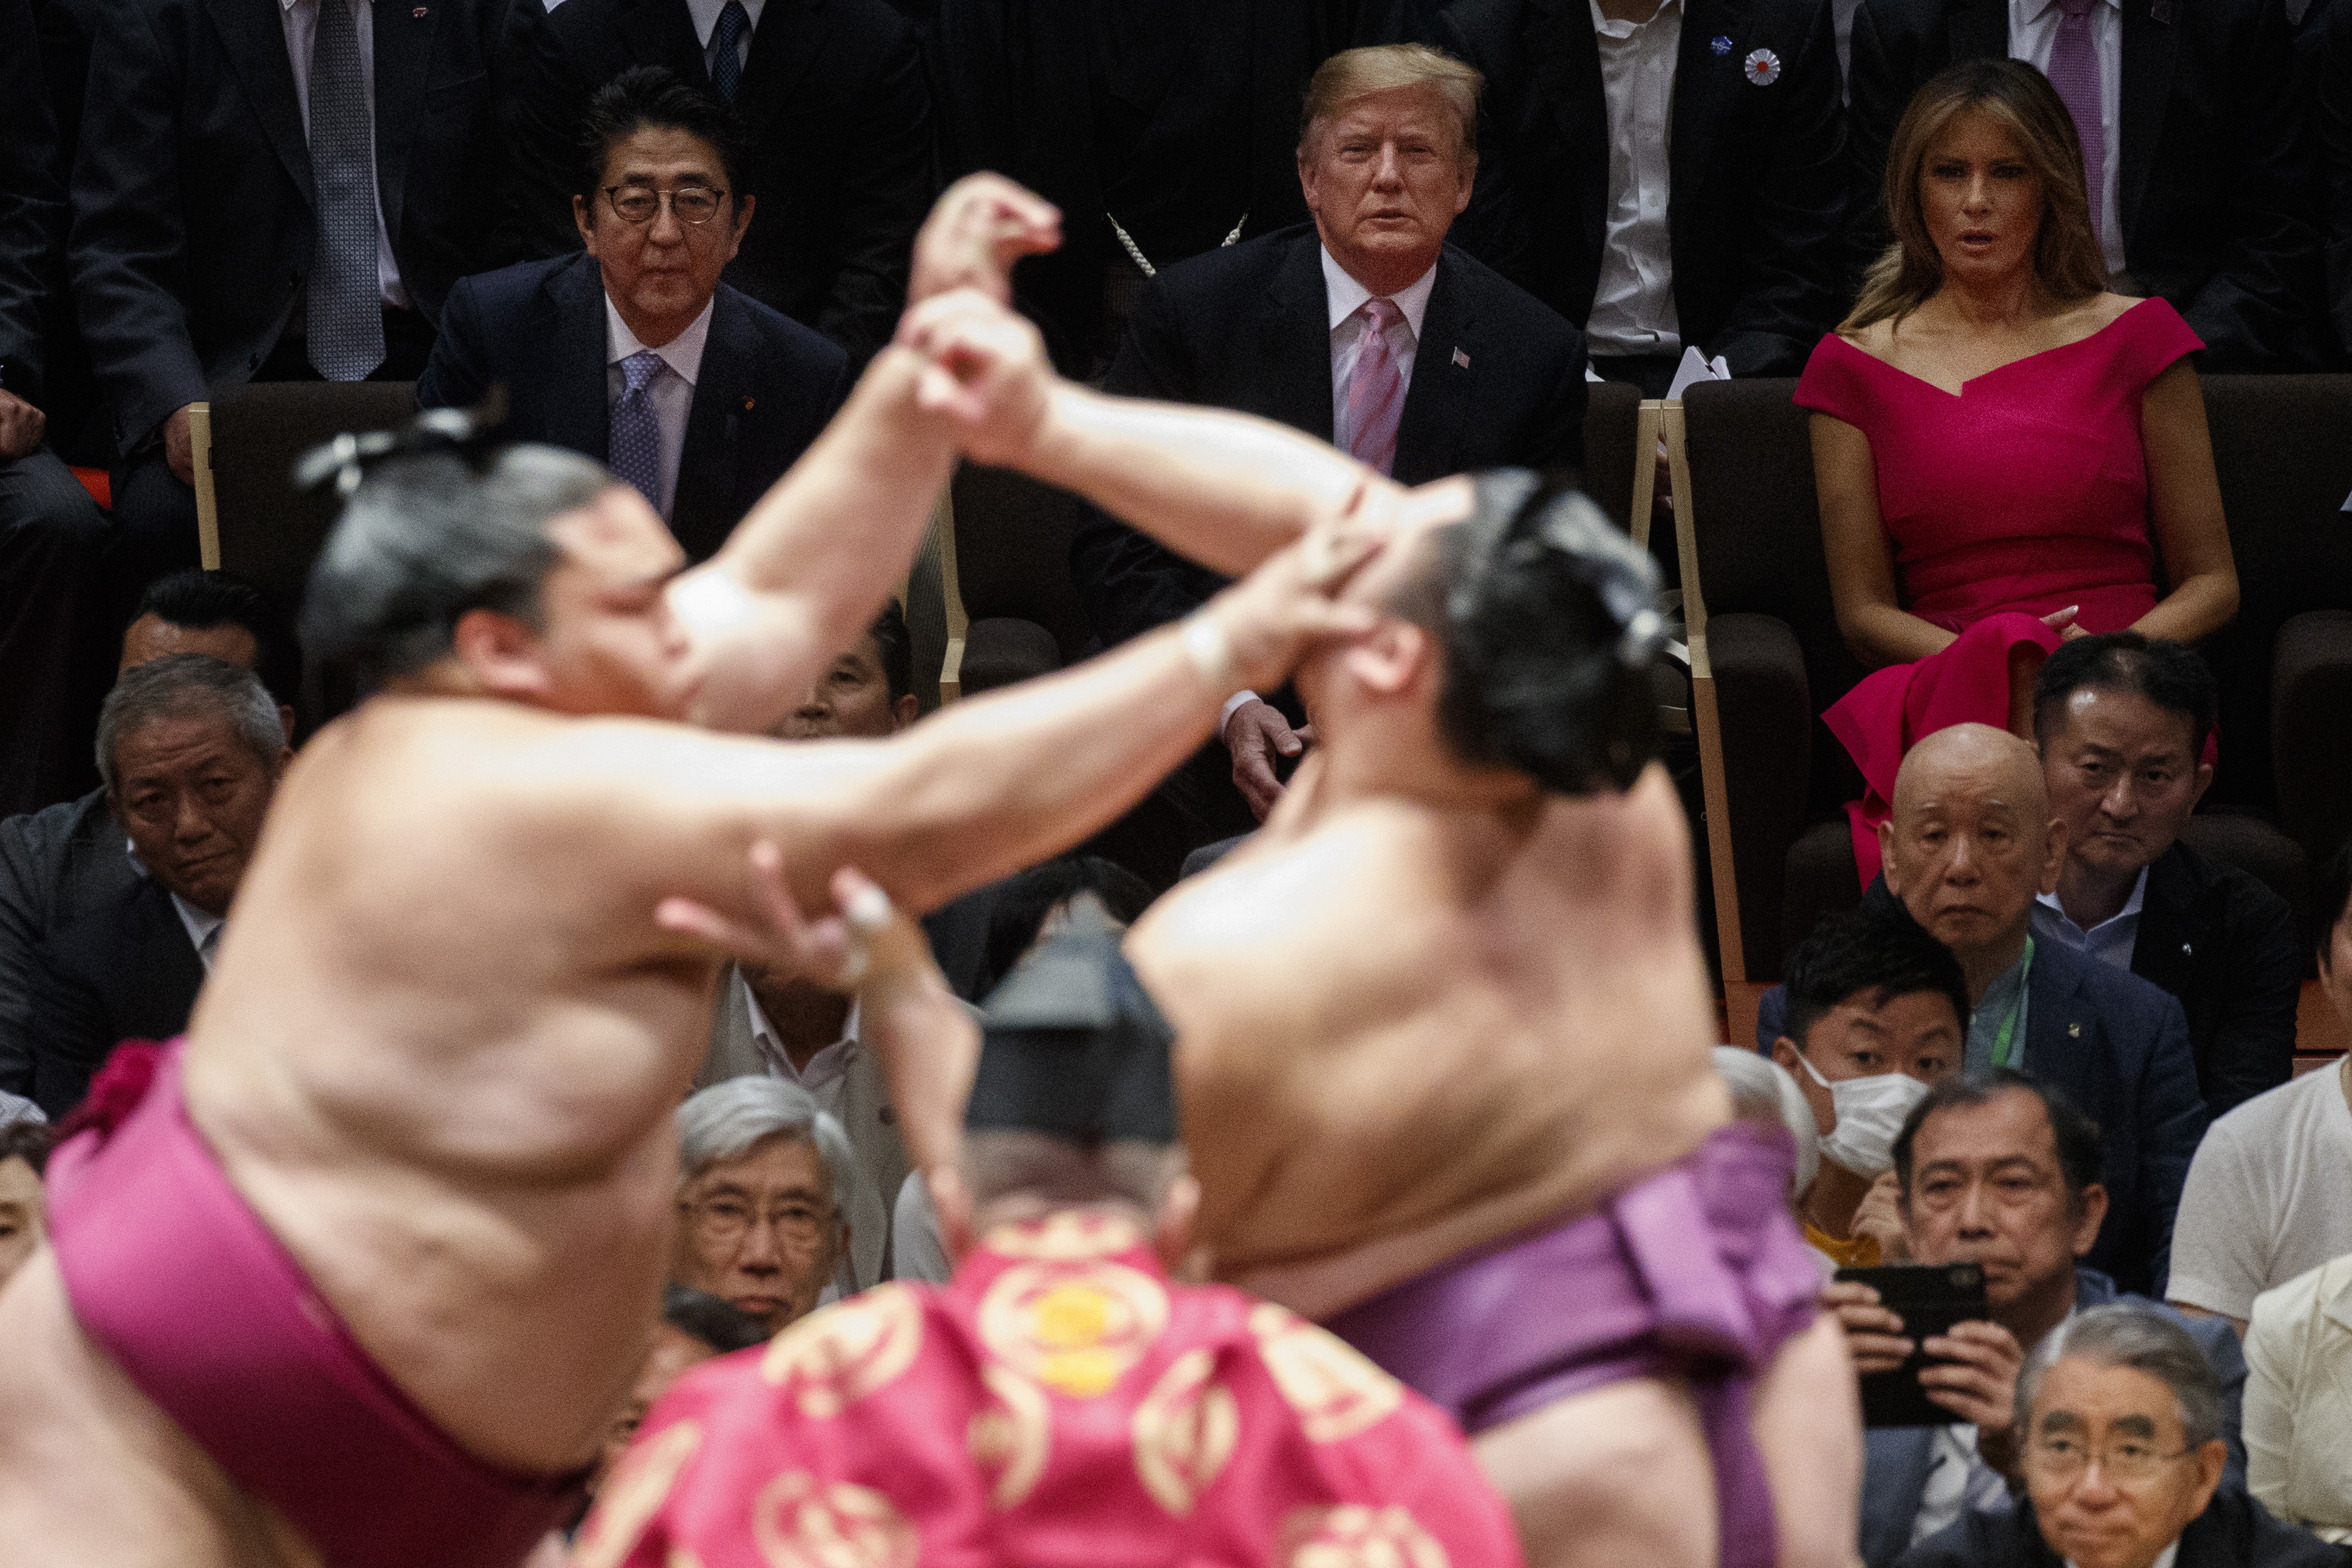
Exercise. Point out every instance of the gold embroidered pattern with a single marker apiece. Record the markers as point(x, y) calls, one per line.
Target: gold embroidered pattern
point(801, 1523)
point(1354, 1536)
point(1335, 1390)
point(1009, 1435)
point(639, 1486)
point(830, 1360)
point(1065, 1236)
point(1185, 1430)
point(1076, 1328)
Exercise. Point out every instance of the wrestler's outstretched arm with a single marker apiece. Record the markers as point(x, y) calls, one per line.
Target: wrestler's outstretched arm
point(807, 569)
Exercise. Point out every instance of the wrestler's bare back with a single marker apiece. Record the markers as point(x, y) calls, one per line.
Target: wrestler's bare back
point(1406, 1029)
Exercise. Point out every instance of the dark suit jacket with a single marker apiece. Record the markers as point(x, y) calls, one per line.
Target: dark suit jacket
point(1896, 1459)
point(2118, 1048)
point(1757, 175)
point(57, 864)
point(1244, 328)
point(192, 229)
point(2234, 1531)
point(2215, 189)
point(766, 387)
point(2226, 946)
point(1024, 97)
point(2335, 145)
point(32, 206)
point(124, 971)
point(836, 120)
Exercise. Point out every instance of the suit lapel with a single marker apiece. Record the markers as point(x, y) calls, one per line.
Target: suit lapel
point(1429, 433)
point(1294, 342)
point(2149, 50)
point(579, 420)
point(2167, 907)
point(703, 510)
point(788, 40)
point(255, 39)
point(1568, 61)
point(403, 53)
point(661, 33)
point(2059, 1026)
point(166, 953)
point(1704, 81)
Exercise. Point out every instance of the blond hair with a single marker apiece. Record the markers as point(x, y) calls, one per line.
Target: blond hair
point(2067, 261)
point(1359, 73)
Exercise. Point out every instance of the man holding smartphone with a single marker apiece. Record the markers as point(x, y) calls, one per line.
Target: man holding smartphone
point(1999, 1170)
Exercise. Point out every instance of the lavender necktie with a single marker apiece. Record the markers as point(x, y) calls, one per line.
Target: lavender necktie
point(635, 449)
point(2075, 72)
point(1375, 389)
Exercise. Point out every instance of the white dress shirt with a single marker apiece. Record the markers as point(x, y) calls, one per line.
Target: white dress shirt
point(300, 20)
point(2033, 34)
point(826, 1072)
point(204, 930)
point(672, 392)
point(1633, 303)
point(2110, 941)
point(706, 26)
point(1342, 297)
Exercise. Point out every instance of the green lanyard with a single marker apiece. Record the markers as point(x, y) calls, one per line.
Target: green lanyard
point(2009, 1024)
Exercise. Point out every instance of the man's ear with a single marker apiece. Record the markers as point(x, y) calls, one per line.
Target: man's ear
point(586, 224)
point(2091, 1213)
point(1887, 857)
point(2054, 854)
point(501, 653)
point(279, 765)
point(285, 721)
point(905, 710)
point(1387, 662)
point(1172, 1236)
point(2204, 782)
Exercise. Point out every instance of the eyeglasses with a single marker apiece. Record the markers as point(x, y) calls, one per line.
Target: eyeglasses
point(725, 1221)
point(2064, 1458)
point(693, 205)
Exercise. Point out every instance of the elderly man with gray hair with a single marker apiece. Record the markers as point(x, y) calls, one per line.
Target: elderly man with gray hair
point(775, 1215)
point(191, 748)
point(2120, 1423)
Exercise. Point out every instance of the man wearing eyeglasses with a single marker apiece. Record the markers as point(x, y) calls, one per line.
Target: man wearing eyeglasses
point(2121, 1430)
point(769, 1197)
point(2001, 1170)
point(634, 353)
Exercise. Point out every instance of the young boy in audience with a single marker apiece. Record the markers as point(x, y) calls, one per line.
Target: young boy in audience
point(1876, 1016)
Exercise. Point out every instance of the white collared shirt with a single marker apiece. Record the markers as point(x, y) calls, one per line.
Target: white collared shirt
point(2110, 941)
point(2032, 35)
point(1633, 303)
point(1342, 297)
point(300, 20)
point(706, 25)
point(204, 930)
point(672, 395)
point(827, 1071)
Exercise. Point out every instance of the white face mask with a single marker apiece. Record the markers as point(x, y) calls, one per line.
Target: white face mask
point(1869, 1112)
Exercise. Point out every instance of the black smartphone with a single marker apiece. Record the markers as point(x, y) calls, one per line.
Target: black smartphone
point(1929, 1300)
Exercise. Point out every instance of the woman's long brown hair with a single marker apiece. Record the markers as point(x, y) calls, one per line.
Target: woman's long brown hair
point(2067, 262)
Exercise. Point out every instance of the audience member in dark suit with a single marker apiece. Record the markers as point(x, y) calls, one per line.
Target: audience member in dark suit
point(2123, 1463)
point(1968, 1138)
point(277, 192)
point(639, 333)
point(1466, 372)
point(59, 863)
point(1178, 119)
point(2122, 721)
point(51, 532)
point(837, 121)
point(2334, 110)
point(192, 749)
point(2200, 159)
point(1722, 238)
point(1970, 843)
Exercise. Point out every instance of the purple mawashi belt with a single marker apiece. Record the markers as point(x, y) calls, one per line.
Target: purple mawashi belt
point(1694, 1273)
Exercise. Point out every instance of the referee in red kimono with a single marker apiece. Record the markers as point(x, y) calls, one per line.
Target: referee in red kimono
point(1063, 1401)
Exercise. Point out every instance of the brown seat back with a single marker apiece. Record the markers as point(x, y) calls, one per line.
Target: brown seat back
point(1611, 410)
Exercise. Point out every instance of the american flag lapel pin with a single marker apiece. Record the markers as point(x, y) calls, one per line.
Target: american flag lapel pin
point(1460, 359)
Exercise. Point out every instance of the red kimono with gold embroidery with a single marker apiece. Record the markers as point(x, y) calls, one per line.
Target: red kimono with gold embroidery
point(1060, 1403)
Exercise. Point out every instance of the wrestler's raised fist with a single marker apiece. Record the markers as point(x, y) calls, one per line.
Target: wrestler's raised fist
point(988, 376)
point(978, 229)
point(1273, 616)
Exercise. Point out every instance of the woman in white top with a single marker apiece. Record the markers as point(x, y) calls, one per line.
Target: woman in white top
point(2298, 1412)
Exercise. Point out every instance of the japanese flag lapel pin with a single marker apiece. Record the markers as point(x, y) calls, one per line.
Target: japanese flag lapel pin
point(1763, 68)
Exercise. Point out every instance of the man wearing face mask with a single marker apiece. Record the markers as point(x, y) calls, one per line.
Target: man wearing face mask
point(1998, 1169)
point(1875, 1017)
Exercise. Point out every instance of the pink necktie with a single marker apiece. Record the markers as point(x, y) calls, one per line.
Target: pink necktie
point(1375, 389)
point(2075, 72)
